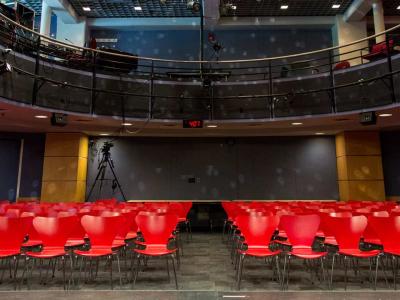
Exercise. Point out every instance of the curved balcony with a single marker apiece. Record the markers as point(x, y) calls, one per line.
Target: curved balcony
point(51, 74)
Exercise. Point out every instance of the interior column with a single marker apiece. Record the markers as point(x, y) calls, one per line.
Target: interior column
point(379, 19)
point(359, 163)
point(65, 167)
point(45, 19)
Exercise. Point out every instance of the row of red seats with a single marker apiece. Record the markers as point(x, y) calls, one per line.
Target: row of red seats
point(353, 231)
point(62, 229)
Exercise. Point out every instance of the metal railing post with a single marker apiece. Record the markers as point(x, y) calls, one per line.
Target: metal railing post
point(270, 90)
point(332, 81)
point(390, 67)
point(151, 91)
point(93, 87)
point(37, 65)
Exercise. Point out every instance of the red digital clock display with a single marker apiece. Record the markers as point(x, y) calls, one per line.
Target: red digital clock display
point(192, 123)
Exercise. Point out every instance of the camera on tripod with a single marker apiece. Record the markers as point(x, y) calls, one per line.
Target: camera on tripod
point(106, 148)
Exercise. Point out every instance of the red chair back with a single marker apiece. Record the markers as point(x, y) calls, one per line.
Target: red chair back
point(11, 233)
point(348, 231)
point(54, 232)
point(300, 230)
point(101, 230)
point(156, 228)
point(387, 230)
point(257, 229)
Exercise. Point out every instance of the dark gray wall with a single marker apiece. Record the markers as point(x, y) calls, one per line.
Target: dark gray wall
point(243, 168)
point(390, 144)
point(238, 44)
point(32, 164)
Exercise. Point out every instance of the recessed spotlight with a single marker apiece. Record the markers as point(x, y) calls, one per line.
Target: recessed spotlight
point(297, 123)
point(398, 7)
point(126, 124)
point(385, 115)
point(137, 8)
point(336, 6)
point(319, 133)
point(41, 117)
point(86, 8)
point(212, 126)
point(104, 134)
point(234, 7)
point(284, 6)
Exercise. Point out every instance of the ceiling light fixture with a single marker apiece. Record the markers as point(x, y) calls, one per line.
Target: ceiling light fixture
point(86, 8)
point(104, 134)
point(319, 133)
point(336, 6)
point(385, 115)
point(137, 8)
point(297, 123)
point(284, 6)
point(212, 126)
point(126, 124)
point(398, 7)
point(41, 117)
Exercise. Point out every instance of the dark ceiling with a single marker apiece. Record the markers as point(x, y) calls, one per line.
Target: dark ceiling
point(177, 8)
point(246, 8)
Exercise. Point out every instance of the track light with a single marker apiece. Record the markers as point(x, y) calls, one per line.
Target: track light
point(193, 5)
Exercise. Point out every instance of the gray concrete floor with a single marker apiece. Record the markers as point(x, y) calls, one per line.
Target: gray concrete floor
point(206, 273)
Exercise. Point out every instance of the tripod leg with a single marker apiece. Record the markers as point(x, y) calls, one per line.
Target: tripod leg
point(116, 180)
point(102, 166)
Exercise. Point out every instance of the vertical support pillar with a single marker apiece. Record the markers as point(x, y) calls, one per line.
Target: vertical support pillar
point(65, 167)
point(379, 19)
point(45, 19)
point(359, 163)
point(344, 33)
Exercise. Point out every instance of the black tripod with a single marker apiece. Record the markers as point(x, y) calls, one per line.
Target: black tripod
point(105, 161)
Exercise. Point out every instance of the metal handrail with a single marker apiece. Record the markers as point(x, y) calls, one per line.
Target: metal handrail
point(267, 59)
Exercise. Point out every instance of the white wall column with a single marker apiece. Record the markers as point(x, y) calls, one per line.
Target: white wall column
point(45, 19)
point(379, 19)
point(72, 33)
point(344, 33)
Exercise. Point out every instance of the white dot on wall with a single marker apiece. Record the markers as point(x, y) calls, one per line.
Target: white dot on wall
point(272, 39)
point(160, 36)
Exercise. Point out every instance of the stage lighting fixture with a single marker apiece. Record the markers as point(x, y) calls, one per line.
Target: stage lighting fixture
point(193, 5)
point(163, 1)
point(5, 67)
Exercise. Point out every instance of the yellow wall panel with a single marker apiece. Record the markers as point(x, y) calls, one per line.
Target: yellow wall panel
point(341, 163)
point(63, 144)
point(362, 143)
point(367, 190)
point(65, 167)
point(63, 191)
point(364, 168)
point(340, 145)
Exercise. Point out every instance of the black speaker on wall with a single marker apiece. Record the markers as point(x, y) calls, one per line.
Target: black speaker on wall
point(58, 119)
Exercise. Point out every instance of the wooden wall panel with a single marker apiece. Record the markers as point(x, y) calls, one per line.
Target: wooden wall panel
point(359, 164)
point(65, 167)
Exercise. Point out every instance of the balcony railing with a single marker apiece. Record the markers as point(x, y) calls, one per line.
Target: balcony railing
point(49, 73)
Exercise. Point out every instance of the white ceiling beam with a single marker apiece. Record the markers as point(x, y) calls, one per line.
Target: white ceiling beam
point(357, 10)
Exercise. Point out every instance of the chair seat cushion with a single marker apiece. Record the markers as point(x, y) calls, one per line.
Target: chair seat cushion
point(307, 253)
point(359, 253)
point(32, 243)
point(74, 242)
point(48, 253)
point(374, 241)
point(330, 240)
point(94, 252)
point(9, 252)
point(259, 252)
point(155, 250)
